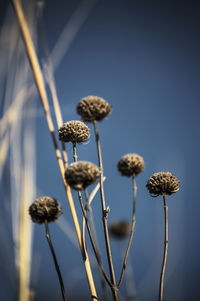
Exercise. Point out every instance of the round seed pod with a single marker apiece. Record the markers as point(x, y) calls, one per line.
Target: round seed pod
point(92, 108)
point(130, 164)
point(81, 174)
point(74, 131)
point(162, 183)
point(45, 208)
point(120, 229)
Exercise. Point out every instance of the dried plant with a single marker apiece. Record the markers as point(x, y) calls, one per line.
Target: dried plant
point(163, 183)
point(45, 210)
point(78, 176)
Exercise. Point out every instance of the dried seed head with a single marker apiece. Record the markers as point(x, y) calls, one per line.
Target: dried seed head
point(162, 183)
point(81, 174)
point(74, 131)
point(44, 208)
point(120, 229)
point(92, 108)
point(131, 164)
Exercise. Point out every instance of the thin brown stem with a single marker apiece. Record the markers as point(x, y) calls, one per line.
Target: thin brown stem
point(165, 249)
point(129, 276)
point(75, 152)
point(91, 219)
point(105, 216)
point(96, 252)
point(131, 234)
point(92, 238)
point(31, 53)
point(55, 261)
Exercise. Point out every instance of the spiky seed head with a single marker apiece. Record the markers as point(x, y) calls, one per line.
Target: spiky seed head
point(45, 208)
point(120, 229)
point(162, 183)
point(74, 131)
point(92, 108)
point(81, 174)
point(130, 164)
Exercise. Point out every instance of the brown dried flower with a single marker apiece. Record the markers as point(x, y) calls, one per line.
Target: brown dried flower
point(81, 174)
point(45, 208)
point(74, 131)
point(131, 164)
point(92, 108)
point(162, 183)
point(120, 229)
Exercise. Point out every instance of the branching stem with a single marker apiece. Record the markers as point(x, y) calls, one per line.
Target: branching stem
point(92, 239)
point(96, 252)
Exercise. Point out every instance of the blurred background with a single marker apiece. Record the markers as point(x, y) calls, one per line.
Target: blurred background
point(143, 58)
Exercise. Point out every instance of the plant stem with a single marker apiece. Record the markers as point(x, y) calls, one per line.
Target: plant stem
point(75, 152)
point(129, 276)
point(131, 234)
point(165, 249)
point(92, 238)
point(55, 261)
point(31, 53)
point(96, 252)
point(104, 216)
point(91, 219)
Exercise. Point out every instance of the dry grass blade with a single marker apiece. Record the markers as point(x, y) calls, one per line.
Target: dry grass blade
point(41, 89)
point(3, 152)
point(25, 226)
point(11, 114)
point(13, 134)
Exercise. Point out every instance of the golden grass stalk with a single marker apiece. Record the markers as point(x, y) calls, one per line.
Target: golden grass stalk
point(3, 151)
point(58, 115)
point(56, 105)
point(25, 227)
point(42, 92)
